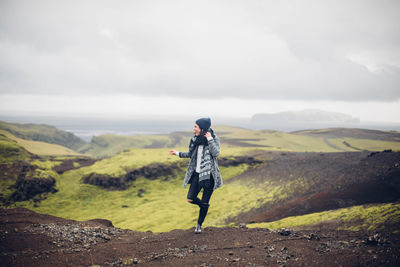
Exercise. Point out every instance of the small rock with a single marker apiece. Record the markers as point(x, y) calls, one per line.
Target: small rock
point(236, 260)
point(243, 225)
point(284, 232)
point(204, 247)
point(230, 253)
point(313, 236)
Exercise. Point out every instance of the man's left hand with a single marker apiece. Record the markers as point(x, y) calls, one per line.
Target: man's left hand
point(207, 134)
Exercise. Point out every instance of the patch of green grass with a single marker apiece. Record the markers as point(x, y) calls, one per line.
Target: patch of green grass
point(42, 173)
point(363, 217)
point(233, 171)
point(10, 151)
point(46, 164)
point(373, 145)
point(132, 158)
point(76, 164)
point(5, 188)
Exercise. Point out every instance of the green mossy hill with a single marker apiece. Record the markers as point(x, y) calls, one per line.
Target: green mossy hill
point(41, 148)
point(32, 187)
point(372, 217)
point(24, 180)
point(110, 144)
point(325, 140)
point(44, 133)
point(11, 151)
point(146, 204)
point(352, 133)
point(249, 189)
point(24, 175)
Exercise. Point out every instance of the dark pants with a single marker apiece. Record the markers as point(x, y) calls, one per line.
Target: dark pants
point(195, 187)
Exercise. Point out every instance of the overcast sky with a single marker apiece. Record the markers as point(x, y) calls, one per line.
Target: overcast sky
point(225, 58)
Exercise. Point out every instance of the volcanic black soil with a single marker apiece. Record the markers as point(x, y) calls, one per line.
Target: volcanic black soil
point(31, 239)
point(321, 181)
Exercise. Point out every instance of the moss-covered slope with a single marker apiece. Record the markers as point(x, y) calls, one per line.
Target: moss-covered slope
point(44, 133)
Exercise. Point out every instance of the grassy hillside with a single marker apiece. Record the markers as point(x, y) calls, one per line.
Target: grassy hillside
point(322, 140)
point(306, 141)
point(309, 141)
point(372, 217)
point(43, 133)
point(157, 205)
point(352, 133)
point(111, 144)
point(40, 148)
point(160, 204)
point(10, 150)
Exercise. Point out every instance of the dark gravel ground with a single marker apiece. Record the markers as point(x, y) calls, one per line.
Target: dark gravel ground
point(31, 239)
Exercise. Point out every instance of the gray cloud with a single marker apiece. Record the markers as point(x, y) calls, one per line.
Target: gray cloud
point(305, 50)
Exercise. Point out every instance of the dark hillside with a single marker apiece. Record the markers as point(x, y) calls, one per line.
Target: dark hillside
point(323, 181)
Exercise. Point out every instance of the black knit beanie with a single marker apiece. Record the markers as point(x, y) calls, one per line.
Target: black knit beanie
point(204, 123)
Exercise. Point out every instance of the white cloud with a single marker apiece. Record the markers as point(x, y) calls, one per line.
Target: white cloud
point(298, 50)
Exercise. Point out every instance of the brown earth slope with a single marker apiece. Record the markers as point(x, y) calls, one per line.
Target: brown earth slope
point(31, 239)
point(317, 182)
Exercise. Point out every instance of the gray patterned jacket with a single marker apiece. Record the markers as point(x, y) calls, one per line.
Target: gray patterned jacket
point(213, 146)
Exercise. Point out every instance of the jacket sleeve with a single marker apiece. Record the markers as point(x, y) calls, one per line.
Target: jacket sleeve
point(213, 145)
point(185, 154)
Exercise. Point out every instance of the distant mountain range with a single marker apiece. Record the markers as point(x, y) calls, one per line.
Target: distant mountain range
point(304, 116)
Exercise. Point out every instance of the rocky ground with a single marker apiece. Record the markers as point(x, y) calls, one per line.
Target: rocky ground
point(31, 239)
